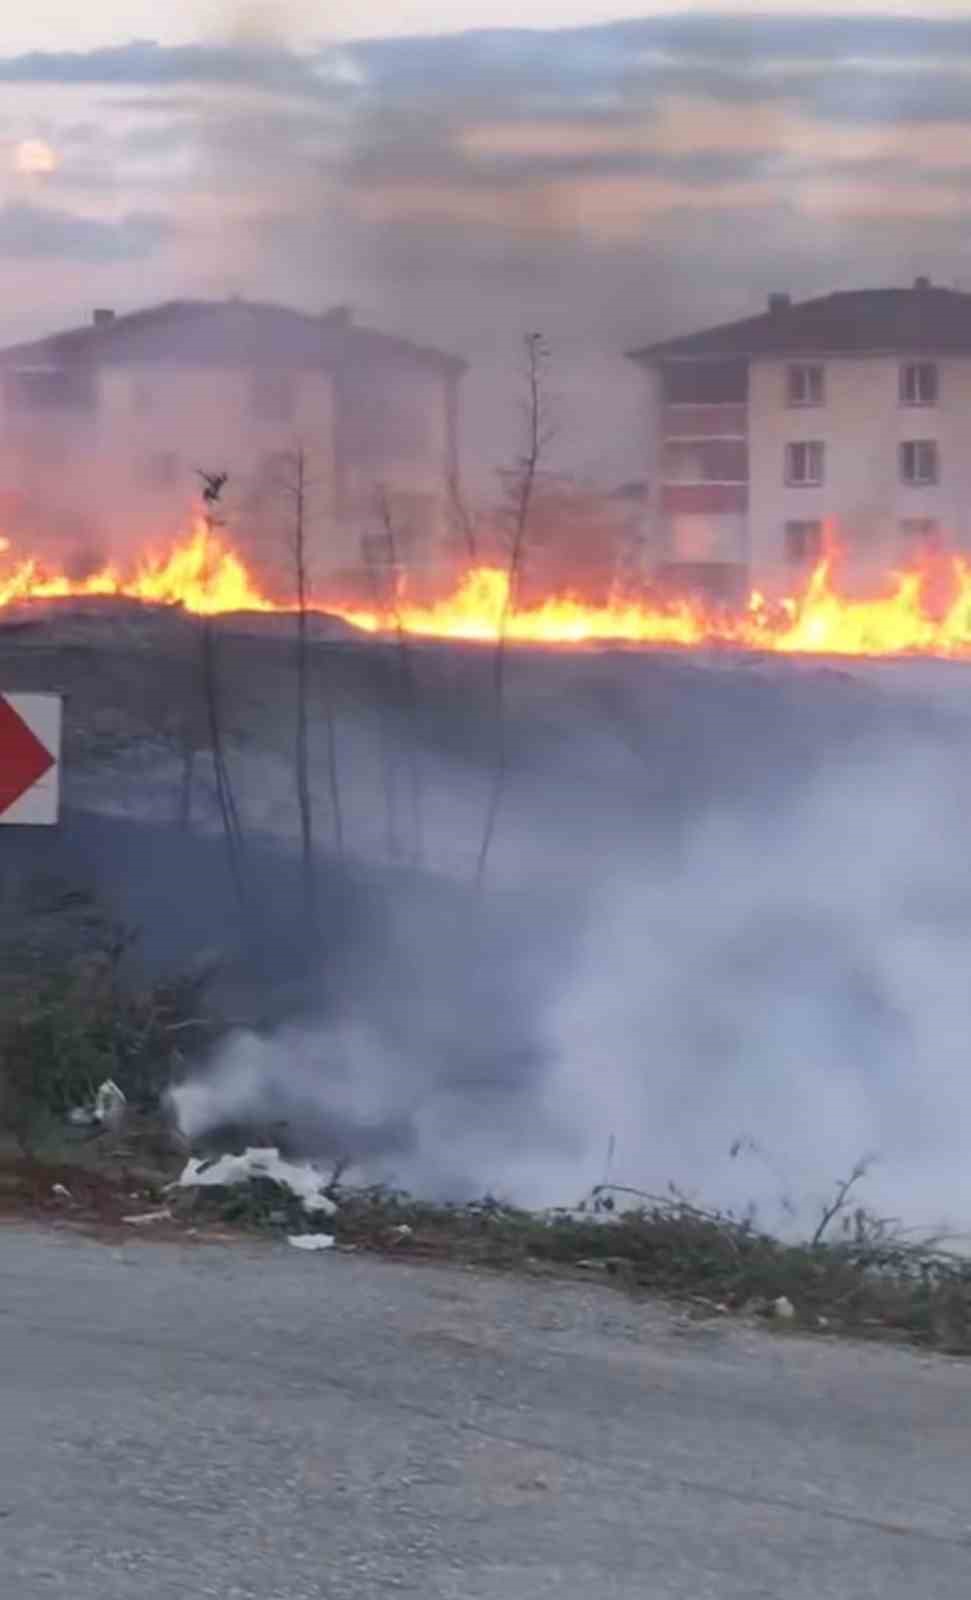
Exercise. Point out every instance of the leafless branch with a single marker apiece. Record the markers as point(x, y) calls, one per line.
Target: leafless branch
point(462, 516)
point(839, 1200)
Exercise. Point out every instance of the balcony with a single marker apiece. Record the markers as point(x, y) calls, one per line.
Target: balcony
point(720, 421)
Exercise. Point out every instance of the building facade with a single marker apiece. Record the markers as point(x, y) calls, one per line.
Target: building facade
point(104, 429)
point(850, 412)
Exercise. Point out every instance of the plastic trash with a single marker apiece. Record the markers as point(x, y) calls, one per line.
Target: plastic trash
point(110, 1105)
point(304, 1181)
point(107, 1111)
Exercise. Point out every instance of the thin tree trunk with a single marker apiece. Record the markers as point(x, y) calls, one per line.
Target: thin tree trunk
point(333, 769)
point(188, 774)
point(385, 695)
point(527, 482)
point(224, 789)
point(407, 691)
point(301, 759)
point(213, 486)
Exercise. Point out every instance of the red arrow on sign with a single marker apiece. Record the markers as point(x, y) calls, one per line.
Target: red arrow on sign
point(23, 759)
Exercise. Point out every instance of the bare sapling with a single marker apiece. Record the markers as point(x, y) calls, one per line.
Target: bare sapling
point(213, 485)
point(384, 696)
point(301, 764)
point(406, 687)
point(537, 438)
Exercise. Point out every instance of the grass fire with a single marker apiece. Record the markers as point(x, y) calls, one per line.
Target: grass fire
point(924, 609)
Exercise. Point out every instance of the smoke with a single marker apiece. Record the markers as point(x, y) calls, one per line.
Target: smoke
point(796, 986)
point(464, 188)
point(743, 925)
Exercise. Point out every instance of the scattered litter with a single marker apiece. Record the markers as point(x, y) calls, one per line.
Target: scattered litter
point(146, 1218)
point(784, 1308)
point(402, 1231)
point(107, 1111)
point(304, 1181)
point(311, 1241)
point(62, 1193)
point(110, 1105)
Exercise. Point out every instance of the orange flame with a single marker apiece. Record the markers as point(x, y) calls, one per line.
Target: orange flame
point(817, 621)
point(204, 575)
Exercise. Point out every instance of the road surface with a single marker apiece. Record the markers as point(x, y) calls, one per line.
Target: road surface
point(249, 1423)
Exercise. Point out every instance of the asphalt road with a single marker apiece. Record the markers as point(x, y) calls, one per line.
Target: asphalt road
point(178, 1423)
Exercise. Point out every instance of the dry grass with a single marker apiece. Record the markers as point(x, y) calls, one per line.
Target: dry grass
point(866, 1281)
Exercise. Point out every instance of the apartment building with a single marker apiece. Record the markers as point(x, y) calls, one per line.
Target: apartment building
point(851, 411)
point(103, 429)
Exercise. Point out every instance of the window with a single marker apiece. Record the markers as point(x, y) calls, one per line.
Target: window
point(805, 386)
point(50, 389)
point(414, 518)
point(142, 397)
point(278, 470)
point(706, 461)
point(805, 463)
point(804, 543)
point(918, 384)
point(161, 469)
point(273, 396)
point(704, 383)
point(920, 535)
point(384, 421)
point(46, 447)
point(918, 461)
point(379, 551)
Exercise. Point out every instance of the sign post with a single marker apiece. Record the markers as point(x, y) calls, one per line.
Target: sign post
point(30, 759)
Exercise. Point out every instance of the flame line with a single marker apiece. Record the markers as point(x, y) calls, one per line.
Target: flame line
point(922, 609)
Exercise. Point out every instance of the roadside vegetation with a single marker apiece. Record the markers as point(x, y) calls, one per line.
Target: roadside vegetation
point(74, 1015)
point(71, 1019)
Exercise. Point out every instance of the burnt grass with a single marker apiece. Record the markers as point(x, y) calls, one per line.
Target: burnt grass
point(68, 1019)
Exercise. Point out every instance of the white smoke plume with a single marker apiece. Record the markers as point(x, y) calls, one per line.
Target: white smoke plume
point(781, 971)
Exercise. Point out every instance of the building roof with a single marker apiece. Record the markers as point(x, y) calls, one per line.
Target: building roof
point(227, 332)
point(917, 321)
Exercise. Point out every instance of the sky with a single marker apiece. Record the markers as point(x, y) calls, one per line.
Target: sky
point(63, 25)
point(603, 173)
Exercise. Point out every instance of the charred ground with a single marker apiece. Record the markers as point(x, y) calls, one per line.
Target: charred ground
point(670, 947)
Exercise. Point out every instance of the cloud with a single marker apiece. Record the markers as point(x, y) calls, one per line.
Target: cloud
point(143, 62)
point(583, 180)
point(29, 231)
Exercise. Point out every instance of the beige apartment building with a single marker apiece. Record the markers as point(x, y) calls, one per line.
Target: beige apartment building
point(104, 428)
point(852, 410)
